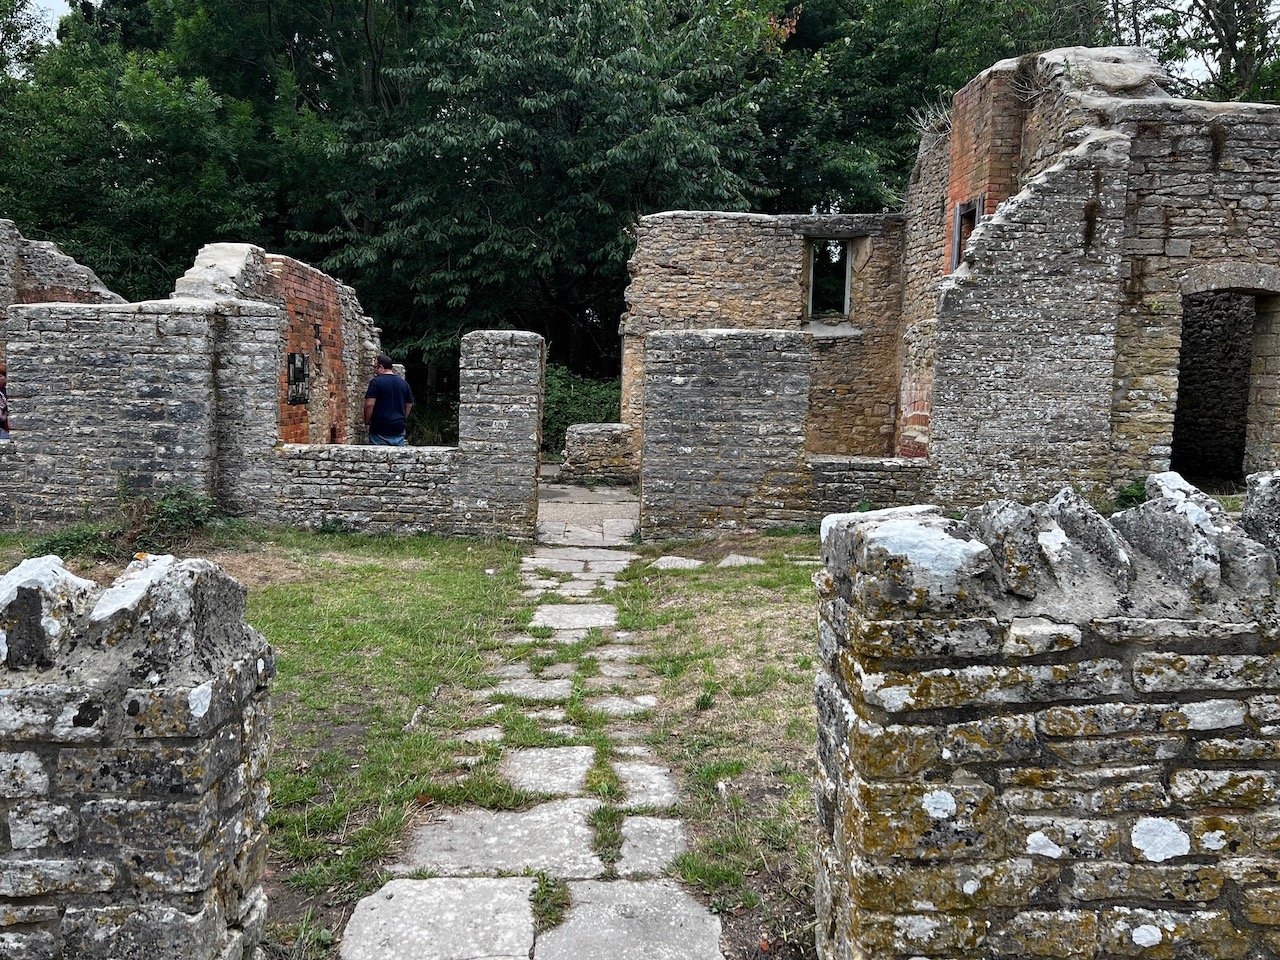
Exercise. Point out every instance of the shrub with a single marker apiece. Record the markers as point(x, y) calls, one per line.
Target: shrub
point(571, 399)
point(141, 524)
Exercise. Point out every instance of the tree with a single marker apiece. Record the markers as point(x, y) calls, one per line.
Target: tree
point(128, 166)
point(529, 136)
point(856, 72)
point(1219, 49)
point(22, 34)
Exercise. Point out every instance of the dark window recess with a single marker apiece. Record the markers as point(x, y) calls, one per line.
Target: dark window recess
point(298, 366)
point(966, 221)
point(828, 277)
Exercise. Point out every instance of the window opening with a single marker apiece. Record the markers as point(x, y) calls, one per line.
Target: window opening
point(297, 368)
point(828, 277)
point(965, 222)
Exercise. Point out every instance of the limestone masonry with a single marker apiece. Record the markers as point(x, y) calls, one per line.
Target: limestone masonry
point(133, 749)
point(1081, 262)
point(248, 387)
point(1047, 734)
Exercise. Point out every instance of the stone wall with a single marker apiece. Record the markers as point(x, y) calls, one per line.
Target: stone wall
point(1026, 337)
point(487, 486)
point(599, 453)
point(724, 431)
point(134, 732)
point(703, 270)
point(1046, 734)
point(126, 399)
point(324, 323)
point(35, 271)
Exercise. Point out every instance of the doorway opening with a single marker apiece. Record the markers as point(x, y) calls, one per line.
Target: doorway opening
point(1225, 421)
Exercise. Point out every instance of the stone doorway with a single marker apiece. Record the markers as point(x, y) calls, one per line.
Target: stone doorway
point(1227, 419)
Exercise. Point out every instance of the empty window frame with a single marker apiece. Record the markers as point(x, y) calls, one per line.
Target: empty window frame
point(964, 222)
point(298, 390)
point(829, 272)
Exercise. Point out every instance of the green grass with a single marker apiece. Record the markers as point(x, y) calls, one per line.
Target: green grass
point(407, 620)
point(550, 900)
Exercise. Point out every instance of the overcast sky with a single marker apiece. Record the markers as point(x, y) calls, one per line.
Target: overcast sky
point(54, 8)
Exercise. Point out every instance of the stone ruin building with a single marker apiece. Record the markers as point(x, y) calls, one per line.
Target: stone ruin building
point(247, 386)
point(1083, 287)
point(1042, 733)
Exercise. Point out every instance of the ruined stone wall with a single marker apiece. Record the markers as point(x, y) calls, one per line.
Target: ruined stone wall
point(487, 486)
point(1026, 336)
point(599, 453)
point(1204, 214)
point(137, 398)
point(325, 324)
point(701, 270)
point(133, 750)
point(35, 271)
point(724, 431)
point(1043, 734)
point(108, 399)
point(924, 266)
point(841, 484)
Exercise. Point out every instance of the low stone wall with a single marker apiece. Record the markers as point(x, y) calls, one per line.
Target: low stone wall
point(487, 486)
point(133, 748)
point(599, 453)
point(841, 484)
point(1046, 734)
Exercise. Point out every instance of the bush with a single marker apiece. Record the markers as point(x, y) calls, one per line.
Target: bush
point(571, 399)
point(141, 525)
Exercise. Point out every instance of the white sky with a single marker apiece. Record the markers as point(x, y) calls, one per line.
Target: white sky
point(54, 9)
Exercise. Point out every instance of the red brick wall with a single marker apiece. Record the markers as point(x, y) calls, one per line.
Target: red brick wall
point(310, 299)
point(986, 146)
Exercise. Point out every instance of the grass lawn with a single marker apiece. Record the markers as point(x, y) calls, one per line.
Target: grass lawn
point(381, 644)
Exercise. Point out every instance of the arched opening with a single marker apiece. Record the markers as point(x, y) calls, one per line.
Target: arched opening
point(1225, 422)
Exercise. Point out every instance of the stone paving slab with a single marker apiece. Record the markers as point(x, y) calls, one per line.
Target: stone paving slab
point(511, 671)
point(559, 771)
point(612, 653)
point(739, 560)
point(554, 564)
point(480, 735)
point(632, 920)
point(649, 844)
point(647, 784)
point(676, 563)
point(616, 668)
point(586, 554)
point(622, 706)
point(558, 671)
point(608, 566)
point(575, 616)
point(554, 837)
point(566, 637)
point(443, 919)
point(547, 691)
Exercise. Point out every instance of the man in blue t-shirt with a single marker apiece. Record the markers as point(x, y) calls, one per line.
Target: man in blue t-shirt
point(387, 403)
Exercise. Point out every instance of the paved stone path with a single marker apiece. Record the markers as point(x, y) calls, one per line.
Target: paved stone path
point(479, 900)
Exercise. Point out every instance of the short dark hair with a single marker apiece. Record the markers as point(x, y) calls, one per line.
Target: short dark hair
point(385, 362)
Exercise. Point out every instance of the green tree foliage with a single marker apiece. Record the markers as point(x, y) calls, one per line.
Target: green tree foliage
point(530, 135)
point(22, 34)
point(131, 167)
point(1219, 49)
point(856, 73)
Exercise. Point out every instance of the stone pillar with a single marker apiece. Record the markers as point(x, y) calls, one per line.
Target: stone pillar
point(133, 748)
point(1046, 734)
point(501, 378)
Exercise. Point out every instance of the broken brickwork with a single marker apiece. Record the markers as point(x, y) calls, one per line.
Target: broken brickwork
point(133, 749)
point(1020, 324)
point(1043, 733)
